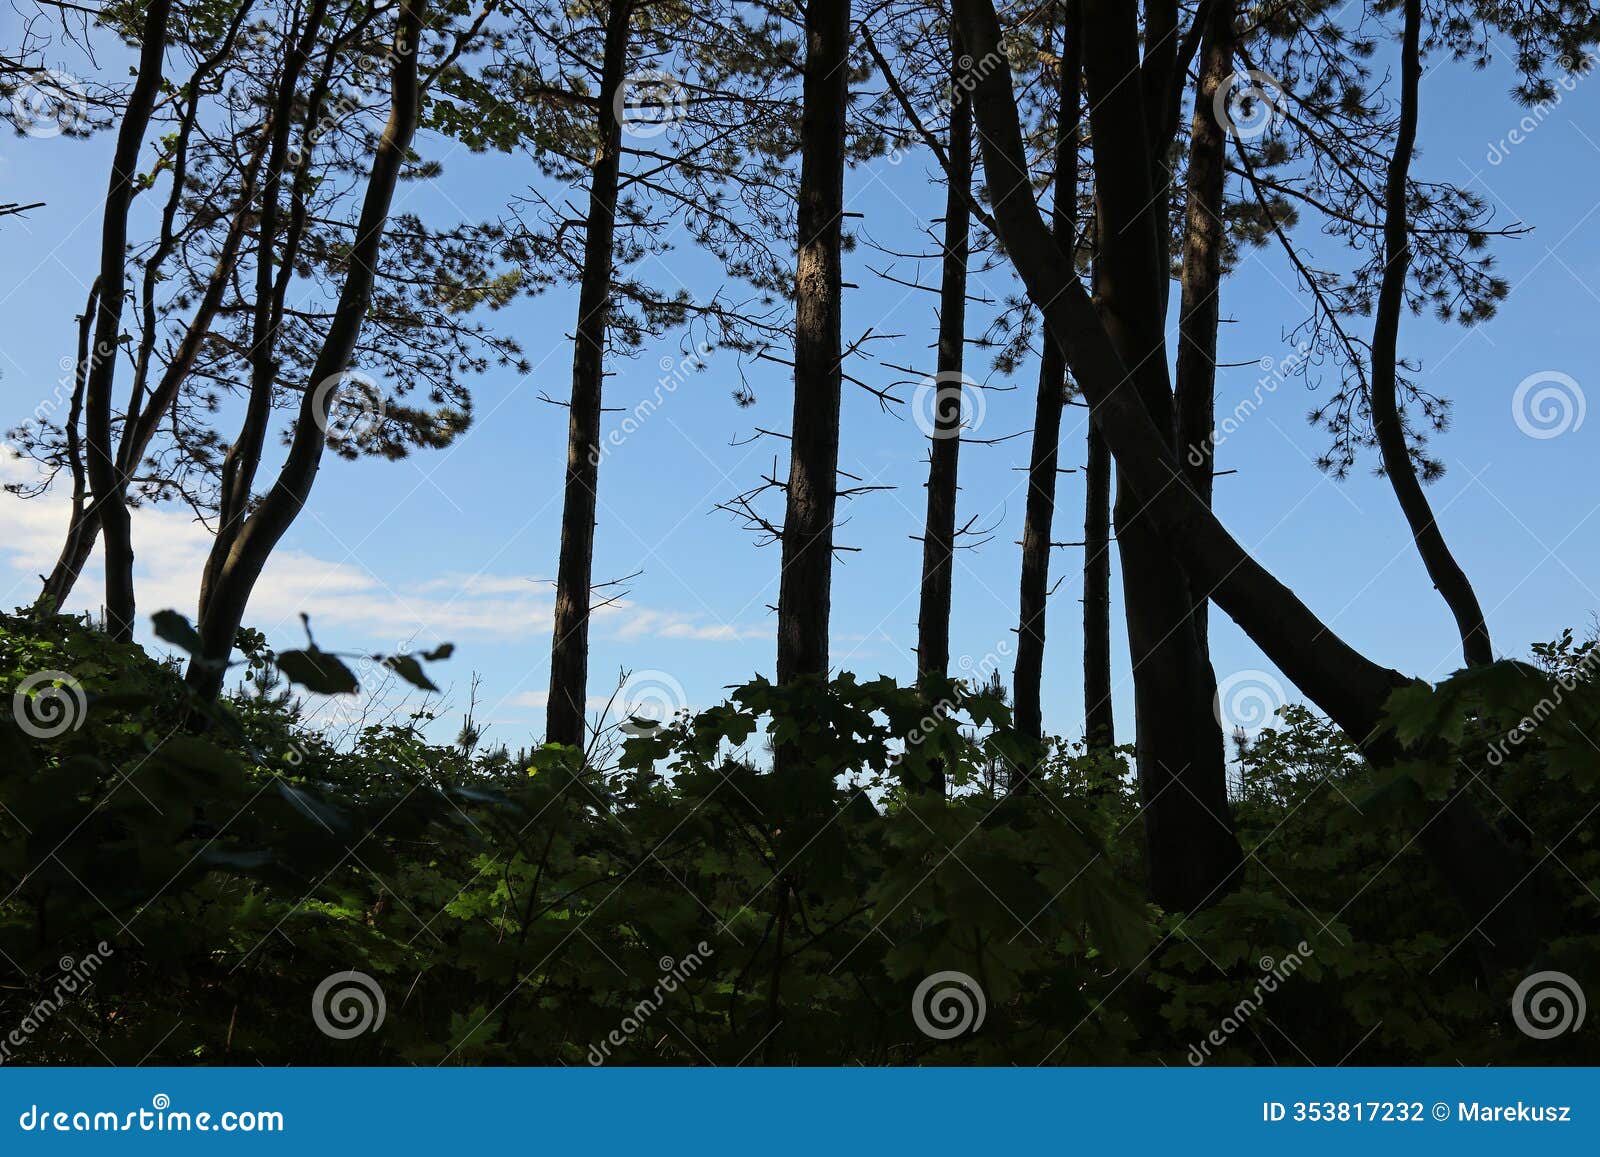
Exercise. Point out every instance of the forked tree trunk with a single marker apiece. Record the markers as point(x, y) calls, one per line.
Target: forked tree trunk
point(243, 458)
point(805, 584)
point(105, 479)
point(1193, 855)
point(1044, 455)
point(281, 505)
point(1488, 879)
point(569, 649)
point(949, 395)
point(1446, 573)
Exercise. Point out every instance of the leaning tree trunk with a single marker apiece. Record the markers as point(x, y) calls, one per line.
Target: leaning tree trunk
point(105, 479)
point(281, 505)
point(569, 648)
point(1488, 879)
point(82, 526)
point(804, 586)
point(1192, 854)
point(1039, 514)
point(949, 395)
point(1204, 236)
point(1446, 573)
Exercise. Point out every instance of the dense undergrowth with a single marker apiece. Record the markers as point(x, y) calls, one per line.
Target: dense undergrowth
point(676, 902)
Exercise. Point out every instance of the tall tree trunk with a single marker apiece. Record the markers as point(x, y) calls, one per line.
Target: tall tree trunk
point(1099, 721)
point(1446, 573)
point(1204, 237)
point(82, 527)
point(105, 480)
point(239, 464)
point(569, 650)
point(804, 586)
point(1485, 875)
point(1192, 853)
point(944, 443)
point(281, 505)
point(1039, 515)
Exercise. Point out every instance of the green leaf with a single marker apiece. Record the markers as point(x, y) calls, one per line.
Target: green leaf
point(173, 628)
point(318, 671)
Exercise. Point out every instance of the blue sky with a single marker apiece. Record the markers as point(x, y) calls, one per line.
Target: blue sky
point(459, 544)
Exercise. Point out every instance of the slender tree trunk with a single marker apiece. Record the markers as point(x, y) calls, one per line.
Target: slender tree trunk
point(1488, 879)
point(105, 480)
point(1204, 237)
point(1027, 708)
point(281, 505)
point(82, 527)
point(239, 464)
point(1448, 577)
point(1099, 721)
point(569, 651)
point(944, 443)
point(1192, 853)
point(804, 586)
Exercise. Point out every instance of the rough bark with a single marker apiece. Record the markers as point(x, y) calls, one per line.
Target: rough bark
point(105, 480)
point(804, 586)
point(944, 442)
point(569, 649)
point(1027, 708)
point(282, 504)
point(1481, 871)
point(1204, 237)
point(1192, 852)
point(1443, 569)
